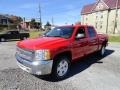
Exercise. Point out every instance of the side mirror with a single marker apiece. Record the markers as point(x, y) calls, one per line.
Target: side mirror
point(79, 36)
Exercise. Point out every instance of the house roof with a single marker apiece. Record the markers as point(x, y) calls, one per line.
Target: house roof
point(2, 16)
point(87, 8)
point(110, 3)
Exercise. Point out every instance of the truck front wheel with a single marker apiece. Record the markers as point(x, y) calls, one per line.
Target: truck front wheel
point(2, 39)
point(61, 68)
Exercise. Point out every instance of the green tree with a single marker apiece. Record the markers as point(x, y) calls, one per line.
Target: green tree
point(32, 23)
point(15, 19)
point(48, 26)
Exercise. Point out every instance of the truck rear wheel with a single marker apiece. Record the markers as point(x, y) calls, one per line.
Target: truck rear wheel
point(61, 68)
point(102, 50)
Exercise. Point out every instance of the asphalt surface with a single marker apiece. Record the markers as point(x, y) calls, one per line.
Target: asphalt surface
point(92, 73)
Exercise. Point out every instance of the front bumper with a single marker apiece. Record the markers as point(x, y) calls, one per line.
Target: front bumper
point(41, 67)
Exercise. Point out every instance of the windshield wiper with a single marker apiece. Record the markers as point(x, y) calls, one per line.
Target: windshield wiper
point(54, 36)
point(57, 36)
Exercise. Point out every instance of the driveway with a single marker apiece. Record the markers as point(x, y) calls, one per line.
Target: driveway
point(91, 73)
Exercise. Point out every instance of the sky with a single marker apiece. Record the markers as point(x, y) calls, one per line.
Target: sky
point(62, 11)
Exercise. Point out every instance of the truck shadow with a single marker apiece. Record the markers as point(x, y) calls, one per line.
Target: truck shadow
point(81, 65)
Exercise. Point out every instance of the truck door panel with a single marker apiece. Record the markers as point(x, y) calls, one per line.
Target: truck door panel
point(93, 40)
point(79, 45)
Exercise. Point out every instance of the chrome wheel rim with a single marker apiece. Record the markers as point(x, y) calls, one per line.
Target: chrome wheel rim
point(2, 39)
point(103, 51)
point(62, 68)
point(24, 38)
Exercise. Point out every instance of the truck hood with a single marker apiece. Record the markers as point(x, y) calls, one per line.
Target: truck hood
point(43, 43)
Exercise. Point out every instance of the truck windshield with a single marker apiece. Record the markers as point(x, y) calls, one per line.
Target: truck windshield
point(64, 32)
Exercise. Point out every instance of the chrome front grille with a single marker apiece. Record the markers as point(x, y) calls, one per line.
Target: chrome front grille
point(25, 54)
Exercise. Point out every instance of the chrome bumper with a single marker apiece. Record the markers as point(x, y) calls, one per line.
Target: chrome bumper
point(42, 67)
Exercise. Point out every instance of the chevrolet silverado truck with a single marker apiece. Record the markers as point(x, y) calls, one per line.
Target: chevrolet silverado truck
point(54, 52)
point(13, 34)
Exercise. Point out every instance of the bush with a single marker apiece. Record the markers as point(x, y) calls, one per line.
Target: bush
point(5, 27)
point(114, 38)
point(12, 27)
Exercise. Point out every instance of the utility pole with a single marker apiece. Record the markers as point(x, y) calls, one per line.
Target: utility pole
point(40, 16)
point(52, 21)
point(8, 23)
point(116, 13)
point(24, 22)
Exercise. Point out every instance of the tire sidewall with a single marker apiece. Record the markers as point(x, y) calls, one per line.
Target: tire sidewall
point(101, 51)
point(55, 65)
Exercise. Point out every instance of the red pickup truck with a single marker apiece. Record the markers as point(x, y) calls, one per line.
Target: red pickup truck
point(54, 52)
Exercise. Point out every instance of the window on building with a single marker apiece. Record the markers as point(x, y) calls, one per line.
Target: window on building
point(100, 26)
point(96, 17)
point(101, 16)
point(96, 25)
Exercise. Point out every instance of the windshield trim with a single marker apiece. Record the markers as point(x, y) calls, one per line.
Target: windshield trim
point(72, 29)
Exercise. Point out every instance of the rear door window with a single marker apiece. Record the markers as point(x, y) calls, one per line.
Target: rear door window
point(91, 32)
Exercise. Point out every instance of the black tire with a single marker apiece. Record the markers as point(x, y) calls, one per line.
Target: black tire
point(102, 51)
point(64, 70)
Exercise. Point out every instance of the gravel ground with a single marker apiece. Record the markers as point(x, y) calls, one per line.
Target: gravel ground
point(92, 73)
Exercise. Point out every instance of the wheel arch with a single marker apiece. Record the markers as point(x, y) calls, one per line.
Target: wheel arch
point(65, 53)
point(104, 43)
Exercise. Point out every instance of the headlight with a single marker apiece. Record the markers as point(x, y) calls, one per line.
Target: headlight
point(42, 55)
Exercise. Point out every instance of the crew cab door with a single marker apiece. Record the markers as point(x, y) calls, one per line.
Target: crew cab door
point(80, 43)
point(93, 40)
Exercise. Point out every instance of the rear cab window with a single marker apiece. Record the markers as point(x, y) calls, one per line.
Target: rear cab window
point(91, 32)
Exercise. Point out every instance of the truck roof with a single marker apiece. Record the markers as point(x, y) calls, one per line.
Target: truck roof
point(75, 26)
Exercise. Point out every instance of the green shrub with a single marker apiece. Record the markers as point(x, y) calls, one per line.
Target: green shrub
point(5, 27)
point(114, 38)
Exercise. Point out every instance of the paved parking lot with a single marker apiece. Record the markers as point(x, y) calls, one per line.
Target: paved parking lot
point(92, 73)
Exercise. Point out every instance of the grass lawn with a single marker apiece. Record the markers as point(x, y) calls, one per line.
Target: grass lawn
point(114, 38)
point(35, 34)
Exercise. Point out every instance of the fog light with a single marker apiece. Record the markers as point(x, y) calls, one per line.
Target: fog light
point(38, 73)
point(35, 63)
